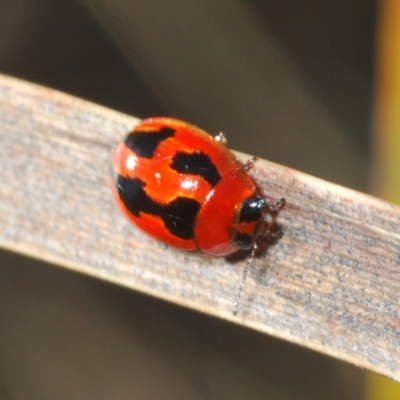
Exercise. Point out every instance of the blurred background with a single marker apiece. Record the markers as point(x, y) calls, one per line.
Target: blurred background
point(297, 83)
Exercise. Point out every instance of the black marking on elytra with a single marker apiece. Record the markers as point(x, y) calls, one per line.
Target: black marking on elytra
point(252, 209)
point(145, 143)
point(178, 216)
point(131, 192)
point(196, 164)
point(243, 240)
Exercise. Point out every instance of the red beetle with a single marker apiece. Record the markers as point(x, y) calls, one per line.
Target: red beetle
point(185, 188)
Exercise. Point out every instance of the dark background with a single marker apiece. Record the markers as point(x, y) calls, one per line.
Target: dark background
point(287, 81)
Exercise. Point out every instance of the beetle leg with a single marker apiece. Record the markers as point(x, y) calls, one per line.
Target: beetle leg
point(221, 138)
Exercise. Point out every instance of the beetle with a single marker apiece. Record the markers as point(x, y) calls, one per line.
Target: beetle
point(183, 187)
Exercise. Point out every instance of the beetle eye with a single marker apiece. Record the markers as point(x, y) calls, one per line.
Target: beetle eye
point(253, 209)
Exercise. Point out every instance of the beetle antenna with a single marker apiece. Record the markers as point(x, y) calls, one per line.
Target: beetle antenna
point(245, 273)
